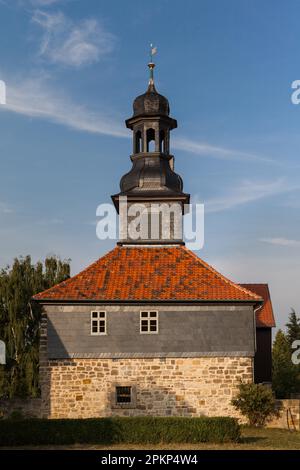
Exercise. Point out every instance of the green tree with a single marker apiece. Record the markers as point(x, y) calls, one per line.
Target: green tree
point(20, 320)
point(285, 373)
point(293, 328)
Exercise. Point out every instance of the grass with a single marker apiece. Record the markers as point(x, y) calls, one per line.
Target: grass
point(252, 439)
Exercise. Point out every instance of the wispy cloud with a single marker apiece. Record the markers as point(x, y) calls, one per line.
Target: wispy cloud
point(293, 203)
point(53, 221)
point(206, 149)
point(31, 3)
point(281, 242)
point(35, 98)
point(5, 208)
point(44, 3)
point(73, 44)
point(246, 192)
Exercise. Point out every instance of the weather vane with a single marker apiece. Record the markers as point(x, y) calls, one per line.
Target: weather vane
point(153, 51)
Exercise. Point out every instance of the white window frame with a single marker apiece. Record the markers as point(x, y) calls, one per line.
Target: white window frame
point(99, 319)
point(148, 318)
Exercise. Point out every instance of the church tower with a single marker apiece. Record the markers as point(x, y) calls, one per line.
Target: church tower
point(154, 192)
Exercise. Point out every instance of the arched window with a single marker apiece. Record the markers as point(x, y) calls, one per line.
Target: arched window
point(162, 142)
point(138, 142)
point(150, 140)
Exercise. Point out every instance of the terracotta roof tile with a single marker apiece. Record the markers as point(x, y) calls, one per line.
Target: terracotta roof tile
point(264, 316)
point(148, 273)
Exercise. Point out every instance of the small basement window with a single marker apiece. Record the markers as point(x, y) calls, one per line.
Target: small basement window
point(123, 395)
point(149, 322)
point(98, 323)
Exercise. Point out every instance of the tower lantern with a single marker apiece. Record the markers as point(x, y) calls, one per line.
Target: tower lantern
point(152, 179)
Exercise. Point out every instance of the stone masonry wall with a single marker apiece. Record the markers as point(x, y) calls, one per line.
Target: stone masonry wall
point(289, 415)
point(26, 407)
point(83, 388)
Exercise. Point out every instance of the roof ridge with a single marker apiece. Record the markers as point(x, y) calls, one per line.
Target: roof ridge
point(224, 278)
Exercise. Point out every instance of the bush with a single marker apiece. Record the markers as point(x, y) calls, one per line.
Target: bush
point(104, 431)
point(256, 402)
point(16, 415)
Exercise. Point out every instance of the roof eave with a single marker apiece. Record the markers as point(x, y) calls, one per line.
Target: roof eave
point(146, 301)
point(264, 325)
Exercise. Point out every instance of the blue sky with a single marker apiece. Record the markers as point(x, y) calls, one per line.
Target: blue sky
point(72, 69)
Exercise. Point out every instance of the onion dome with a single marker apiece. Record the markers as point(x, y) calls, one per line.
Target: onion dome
point(151, 103)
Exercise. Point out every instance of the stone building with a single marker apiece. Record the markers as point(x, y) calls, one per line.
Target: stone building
point(150, 328)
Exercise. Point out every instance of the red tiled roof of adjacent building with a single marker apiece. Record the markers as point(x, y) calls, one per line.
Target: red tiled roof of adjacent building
point(148, 274)
point(264, 316)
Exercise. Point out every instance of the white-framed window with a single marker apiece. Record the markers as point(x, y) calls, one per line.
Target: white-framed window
point(98, 323)
point(148, 322)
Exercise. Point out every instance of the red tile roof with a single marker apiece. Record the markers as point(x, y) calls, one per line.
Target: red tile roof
point(148, 273)
point(264, 316)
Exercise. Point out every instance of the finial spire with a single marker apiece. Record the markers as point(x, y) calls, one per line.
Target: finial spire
point(151, 65)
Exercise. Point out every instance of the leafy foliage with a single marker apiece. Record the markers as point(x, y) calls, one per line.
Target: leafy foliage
point(293, 328)
point(256, 402)
point(138, 430)
point(285, 375)
point(20, 319)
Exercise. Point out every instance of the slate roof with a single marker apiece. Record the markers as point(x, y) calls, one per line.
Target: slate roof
point(149, 274)
point(265, 315)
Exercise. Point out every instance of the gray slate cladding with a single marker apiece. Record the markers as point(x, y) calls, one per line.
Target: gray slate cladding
point(184, 331)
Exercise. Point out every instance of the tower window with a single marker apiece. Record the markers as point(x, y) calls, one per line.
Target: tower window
point(149, 322)
point(138, 142)
point(150, 140)
point(162, 142)
point(98, 323)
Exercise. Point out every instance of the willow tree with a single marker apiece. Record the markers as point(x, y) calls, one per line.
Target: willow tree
point(20, 320)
